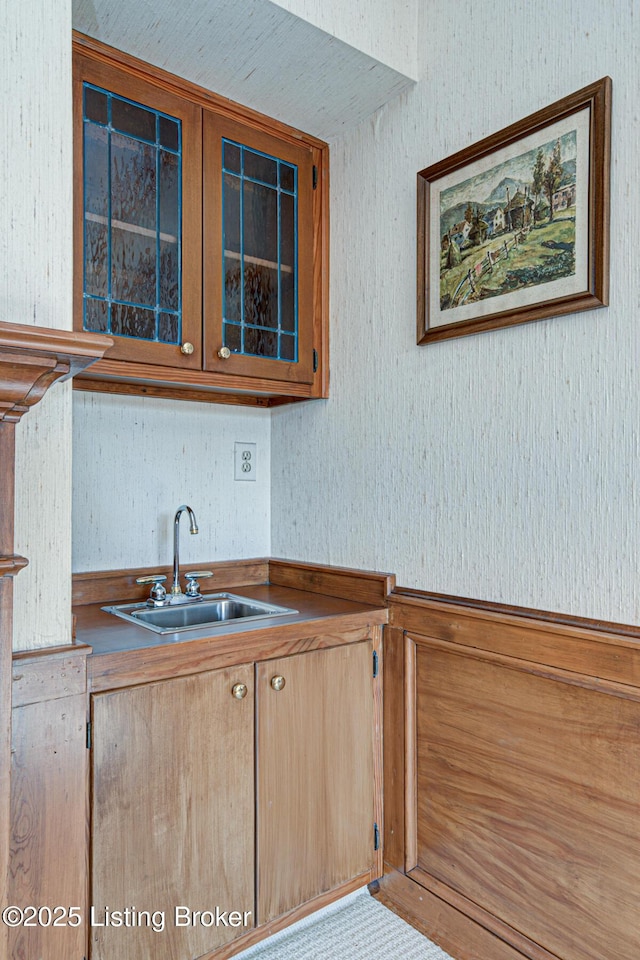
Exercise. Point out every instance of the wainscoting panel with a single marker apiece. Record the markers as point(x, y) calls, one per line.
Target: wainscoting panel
point(48, 856)
point(521, 780)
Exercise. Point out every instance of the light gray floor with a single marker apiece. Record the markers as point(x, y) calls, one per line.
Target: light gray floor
point(356, 928)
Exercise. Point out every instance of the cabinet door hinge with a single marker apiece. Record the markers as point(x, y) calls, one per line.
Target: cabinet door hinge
point(315, 177)
point(88, 734)
point(376, 837)
point(375, 663)
point(315, 361)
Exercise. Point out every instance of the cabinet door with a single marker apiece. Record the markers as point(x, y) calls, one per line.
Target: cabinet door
point(315, 774)
point(258, 253)
point(172, 815)
point(138, 216)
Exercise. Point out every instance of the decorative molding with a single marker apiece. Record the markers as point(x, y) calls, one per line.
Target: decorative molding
point(10, 566)
point(488, 609)
point(33, 358)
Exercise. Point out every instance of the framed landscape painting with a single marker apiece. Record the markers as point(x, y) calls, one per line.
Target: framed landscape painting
point(516, 227)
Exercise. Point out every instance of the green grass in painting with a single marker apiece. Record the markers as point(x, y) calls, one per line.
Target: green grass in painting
point(529, 264)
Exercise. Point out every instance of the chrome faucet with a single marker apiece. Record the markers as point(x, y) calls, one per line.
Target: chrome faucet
point(159, 596)
point(193, 528)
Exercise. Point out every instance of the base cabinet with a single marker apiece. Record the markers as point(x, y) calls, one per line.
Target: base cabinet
point(315, 778)
point(247, 790)
point(172, 816)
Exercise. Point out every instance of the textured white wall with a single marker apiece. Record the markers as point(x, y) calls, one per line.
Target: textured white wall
point(261, 54)
point(35, 287)
point(384, 29)
point(501, 466)
point(137, 459)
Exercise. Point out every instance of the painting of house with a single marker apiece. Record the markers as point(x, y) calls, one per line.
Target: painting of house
point(495, 221)
point(564, 197)
point(460, 232)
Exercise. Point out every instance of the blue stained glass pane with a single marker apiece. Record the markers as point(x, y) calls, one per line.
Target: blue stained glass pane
point(168, 328)
point(169, 276)
point(96, 258)
point(133, 267)
point(231, 218)
point(260, 222)
point(133, 218)
point(133, 182)
point(96, 165)
point(287, 347)
point(169, 196)
point(260, 295)
point(133, 118)
point(261, 343)
point(169, 133)
point(128, 321)
point(287, 177)
point(96, 105)
point(288, 302)
point(259, 167)
point(260, 212)
point(232, 288)
point(233, 337)
point(231, 156)
point(96, 316)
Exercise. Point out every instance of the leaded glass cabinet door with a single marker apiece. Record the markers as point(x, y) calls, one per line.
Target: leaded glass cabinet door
point(138, 217)
point(258, 254)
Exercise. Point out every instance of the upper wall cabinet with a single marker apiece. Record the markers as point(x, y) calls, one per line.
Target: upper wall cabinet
point(200, 239)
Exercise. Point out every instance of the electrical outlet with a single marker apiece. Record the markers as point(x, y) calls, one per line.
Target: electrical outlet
point(245, 461)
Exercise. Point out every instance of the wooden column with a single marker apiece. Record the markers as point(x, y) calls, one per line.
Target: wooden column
point(32, 359)
point(7, 447)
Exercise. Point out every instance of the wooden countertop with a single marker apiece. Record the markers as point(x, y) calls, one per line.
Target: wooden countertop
point(126, 654)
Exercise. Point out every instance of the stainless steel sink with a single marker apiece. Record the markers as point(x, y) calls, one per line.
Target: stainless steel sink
point(214, 610)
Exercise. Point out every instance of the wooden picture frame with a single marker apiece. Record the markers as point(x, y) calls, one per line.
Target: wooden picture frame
point(516, 227)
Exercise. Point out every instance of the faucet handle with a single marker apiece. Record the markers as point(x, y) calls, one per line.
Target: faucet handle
point(158, 592)
point(193, 588)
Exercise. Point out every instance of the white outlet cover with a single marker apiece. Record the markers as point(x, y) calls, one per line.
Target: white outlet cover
point(245, 461)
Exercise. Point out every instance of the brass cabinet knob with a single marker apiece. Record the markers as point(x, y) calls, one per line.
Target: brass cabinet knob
point(224, 353)
point(187, 348)
point(278, 682)
point(239, 690)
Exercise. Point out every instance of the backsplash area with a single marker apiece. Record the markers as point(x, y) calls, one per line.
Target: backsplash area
point(136, 459)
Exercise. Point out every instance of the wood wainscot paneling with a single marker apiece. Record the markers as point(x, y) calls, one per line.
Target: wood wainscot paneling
point(48, 857)
point(520, 784)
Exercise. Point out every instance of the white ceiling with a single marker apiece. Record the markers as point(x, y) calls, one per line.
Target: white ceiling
point(252, 51)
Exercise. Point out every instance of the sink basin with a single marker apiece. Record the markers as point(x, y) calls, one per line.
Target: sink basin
point(214, 609)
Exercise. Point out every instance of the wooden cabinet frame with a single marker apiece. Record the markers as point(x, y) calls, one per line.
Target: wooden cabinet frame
point(105, 75)
point(215, 127)
point(243, 380)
